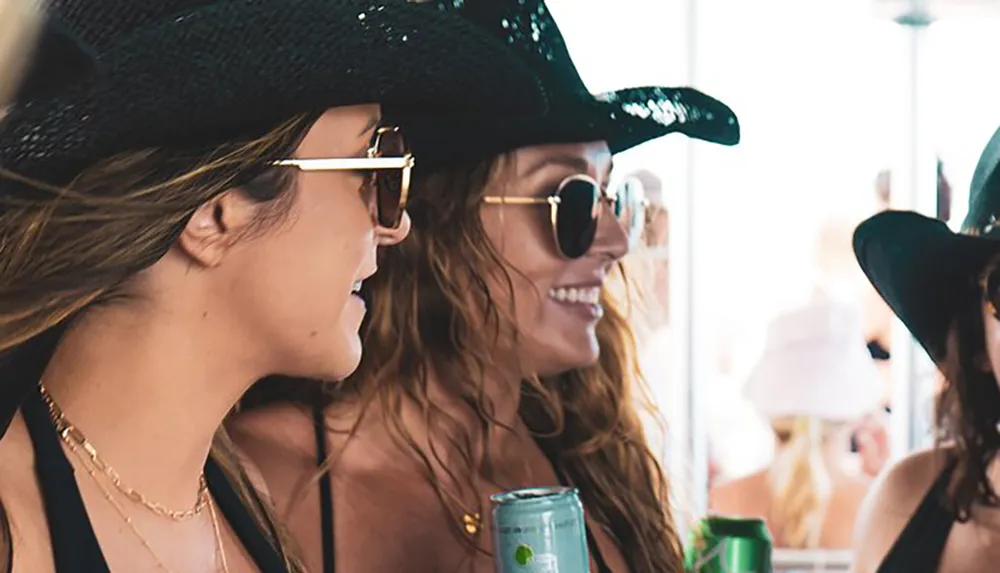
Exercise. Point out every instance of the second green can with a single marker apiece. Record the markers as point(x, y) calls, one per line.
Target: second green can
point(729, 545)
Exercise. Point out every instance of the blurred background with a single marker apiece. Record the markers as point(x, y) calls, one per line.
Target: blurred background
point(848, 108)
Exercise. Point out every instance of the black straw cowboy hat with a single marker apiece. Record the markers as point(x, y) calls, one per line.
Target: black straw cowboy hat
point(920, 266)
point(623, 118)
point(193, 73)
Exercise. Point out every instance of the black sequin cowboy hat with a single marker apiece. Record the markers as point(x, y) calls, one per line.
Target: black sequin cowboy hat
point(623, 118)
point(921, 267)
point(193, 73)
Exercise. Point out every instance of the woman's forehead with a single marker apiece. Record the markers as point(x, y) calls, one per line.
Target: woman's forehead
point(591, 157)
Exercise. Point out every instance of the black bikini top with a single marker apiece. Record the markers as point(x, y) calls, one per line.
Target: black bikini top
point(75, 547)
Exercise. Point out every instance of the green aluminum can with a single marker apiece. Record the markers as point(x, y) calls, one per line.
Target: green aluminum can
point(729, 545)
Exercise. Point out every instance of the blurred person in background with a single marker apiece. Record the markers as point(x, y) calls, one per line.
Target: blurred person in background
point(648, 265)
point(839, 277)
point(497, 358)
point(655, 248)
point(935, 511)
point(813, 383)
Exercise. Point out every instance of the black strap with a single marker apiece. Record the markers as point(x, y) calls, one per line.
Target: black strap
point(75, 548)
point(325, 493)
point(919, 547)
point(263, 552)
point(595, 550)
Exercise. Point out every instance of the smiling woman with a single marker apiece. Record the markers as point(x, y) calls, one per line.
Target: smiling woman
point(497, 358)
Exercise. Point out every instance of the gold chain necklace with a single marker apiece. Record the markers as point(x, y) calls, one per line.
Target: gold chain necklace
point(219, 547)
point(90, 460)
point(74, 438)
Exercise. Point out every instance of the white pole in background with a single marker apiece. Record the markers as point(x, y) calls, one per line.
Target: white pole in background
point(686, 301)
point(918, 192)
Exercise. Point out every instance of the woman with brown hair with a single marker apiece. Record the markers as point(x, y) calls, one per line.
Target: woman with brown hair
point(936, 511)
point(198, 215)
point(496, 358)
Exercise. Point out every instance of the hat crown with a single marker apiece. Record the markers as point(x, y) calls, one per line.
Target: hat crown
point(815, 363)
point(100, 23)
point(984, 190)
point(526, 26)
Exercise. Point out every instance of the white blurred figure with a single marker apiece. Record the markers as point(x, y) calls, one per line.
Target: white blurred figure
point(814, 382)
point(649, 264)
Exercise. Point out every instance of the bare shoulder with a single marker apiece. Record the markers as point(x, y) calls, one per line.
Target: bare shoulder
point(739, 496)
point(278, 447)
point(892, 499)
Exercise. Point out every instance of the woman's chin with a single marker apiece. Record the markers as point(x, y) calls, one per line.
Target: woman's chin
point(553, 361)
point(346, 356)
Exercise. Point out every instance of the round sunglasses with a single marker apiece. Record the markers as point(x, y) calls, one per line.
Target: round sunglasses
point(575, 211)
point(386, 167)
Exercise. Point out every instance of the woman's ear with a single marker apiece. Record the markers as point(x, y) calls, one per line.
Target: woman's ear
point(216, 226)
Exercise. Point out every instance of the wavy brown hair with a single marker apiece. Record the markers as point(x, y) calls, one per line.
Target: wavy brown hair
point(438, 311)
point(968, 408)
point(65, 249)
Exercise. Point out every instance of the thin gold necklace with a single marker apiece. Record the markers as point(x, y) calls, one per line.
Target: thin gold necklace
point(220, 549)
point(74, 438)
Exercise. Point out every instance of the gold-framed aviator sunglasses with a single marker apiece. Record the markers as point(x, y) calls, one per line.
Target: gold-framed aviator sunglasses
point(387, 169)
point(575, 211)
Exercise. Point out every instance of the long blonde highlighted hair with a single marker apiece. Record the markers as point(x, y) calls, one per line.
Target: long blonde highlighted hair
point(800, 481)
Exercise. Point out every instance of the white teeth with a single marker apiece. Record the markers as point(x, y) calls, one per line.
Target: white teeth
point(356, 287)
point(584, 295)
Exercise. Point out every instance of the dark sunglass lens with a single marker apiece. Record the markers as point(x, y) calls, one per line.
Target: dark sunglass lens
point(576, 223)
point(389, 186)
point(389, 182)
point(391, 144)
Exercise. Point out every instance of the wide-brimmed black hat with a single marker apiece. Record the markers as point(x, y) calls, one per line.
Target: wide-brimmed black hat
point(623, 118)
point(193, 73)
point(921, 268)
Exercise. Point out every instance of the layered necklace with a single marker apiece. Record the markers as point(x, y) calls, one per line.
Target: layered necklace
point(92, 462)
